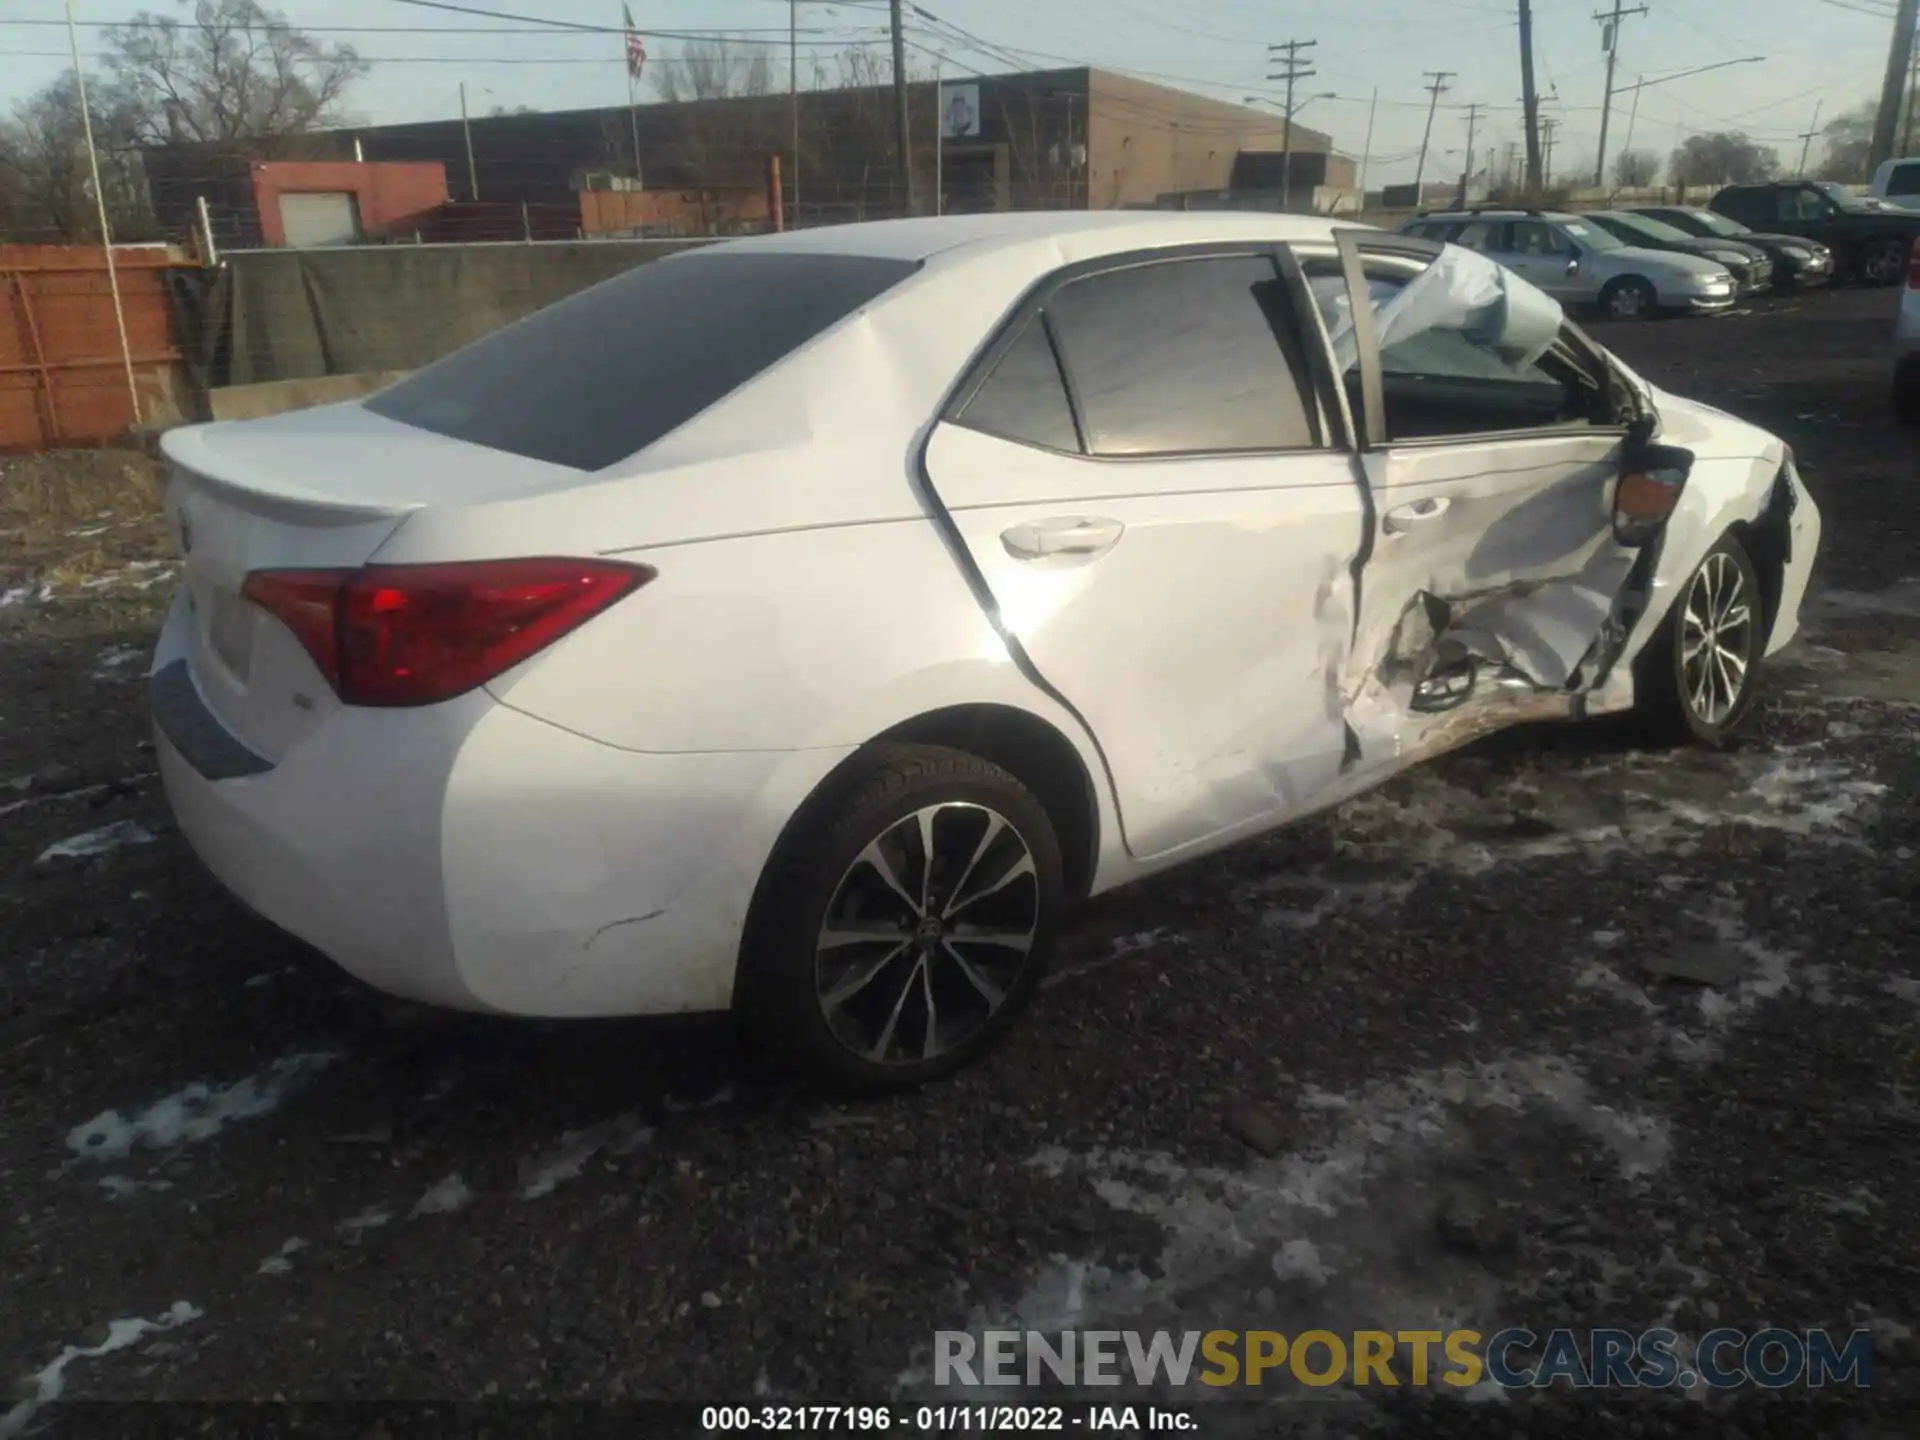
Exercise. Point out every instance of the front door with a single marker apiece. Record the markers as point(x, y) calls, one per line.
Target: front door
point(1493, 434)
point(1140, 472)
point(1544, 258)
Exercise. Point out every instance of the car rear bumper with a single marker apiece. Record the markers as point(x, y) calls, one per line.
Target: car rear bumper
point(469, 856)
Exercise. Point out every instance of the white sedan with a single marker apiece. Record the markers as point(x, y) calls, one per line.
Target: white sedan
point(800, 625)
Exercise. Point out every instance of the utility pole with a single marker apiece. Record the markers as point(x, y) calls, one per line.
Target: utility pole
point(1886, 121)
point(1292, 68)
point(1529, 97)
point(1466, 175)
point(473, 180)
point(1806, 141)
point(1436, 86)
point(1547, 127)
point(793, 102)
point(903, 157)
point(1913, 96)
point(1610, 42)
point(1366, 151)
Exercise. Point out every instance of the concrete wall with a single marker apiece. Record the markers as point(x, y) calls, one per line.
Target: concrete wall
point(1148, 140)
point(394, 197)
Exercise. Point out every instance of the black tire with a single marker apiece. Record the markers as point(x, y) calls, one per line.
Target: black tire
point(1629, 298)
point(788, 978)
point(1668, 674)
point(1883, 262)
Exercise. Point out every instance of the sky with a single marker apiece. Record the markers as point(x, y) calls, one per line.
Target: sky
point(1829, 53)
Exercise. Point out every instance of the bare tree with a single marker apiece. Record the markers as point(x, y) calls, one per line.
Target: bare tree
point(46, 185)
point(714, 70)
point(1633, 169)
point(235, 72)
point(1723, 158)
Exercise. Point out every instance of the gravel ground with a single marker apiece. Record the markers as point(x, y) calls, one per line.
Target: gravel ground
point(1403, 1067)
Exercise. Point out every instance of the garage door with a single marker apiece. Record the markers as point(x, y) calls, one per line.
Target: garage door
point(322, 217)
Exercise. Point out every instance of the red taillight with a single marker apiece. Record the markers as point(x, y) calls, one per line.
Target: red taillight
point(393, 635)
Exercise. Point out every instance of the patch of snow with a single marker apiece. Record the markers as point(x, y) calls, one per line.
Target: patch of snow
point(121, 1187)
point(281, 1261)
point(1902, 987)
point(1121, 947)
point(94, 843)
point(371, 1218)
point(1299, 1259)
point(543, 1174)
point(196, 1112)
point(51, 1381)
point(113, 664)
point(449, 1195)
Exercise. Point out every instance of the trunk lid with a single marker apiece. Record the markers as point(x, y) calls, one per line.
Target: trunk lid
point(315, 489)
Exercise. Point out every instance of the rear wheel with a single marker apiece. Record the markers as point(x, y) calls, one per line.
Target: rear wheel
point(1629, 298)
point(1696, 681)
point(907, 924)
point(1883, 262)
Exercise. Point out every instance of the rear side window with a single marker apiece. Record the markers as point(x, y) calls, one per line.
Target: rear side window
point(1747, 205)
point(1025, 399)
point(589, 380)
point(1905, 180)
point(1185, 356)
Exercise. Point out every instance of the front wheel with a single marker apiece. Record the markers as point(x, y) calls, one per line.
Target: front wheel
point(1884, 262)
point(1630, 298)
point(1696, 680)
point(907, 924)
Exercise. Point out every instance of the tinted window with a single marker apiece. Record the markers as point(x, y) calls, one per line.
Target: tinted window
point(1024, 398)
point(1905, 180)
point(1802, 204)
point(591, 379)
point(1480, 235)
point(1438, 380)
point(1184, 355)
point(1747, 205)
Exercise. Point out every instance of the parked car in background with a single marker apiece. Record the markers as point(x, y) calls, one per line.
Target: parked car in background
point(771, 626)
point(1581, 264)
point(1797, 261)
point(1869, 240)
point(1897, 182)
point(1750, 266)
point(1906, 345)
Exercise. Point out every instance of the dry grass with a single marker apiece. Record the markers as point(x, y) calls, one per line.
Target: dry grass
point(76, 522)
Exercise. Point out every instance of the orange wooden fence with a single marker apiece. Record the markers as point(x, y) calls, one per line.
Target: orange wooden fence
point(62, 377)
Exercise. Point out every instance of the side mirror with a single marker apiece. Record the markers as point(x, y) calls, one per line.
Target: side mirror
point(1573, 265)
point(1652, 478)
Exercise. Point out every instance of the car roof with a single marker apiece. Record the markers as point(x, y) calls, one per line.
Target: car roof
point(1086, 233)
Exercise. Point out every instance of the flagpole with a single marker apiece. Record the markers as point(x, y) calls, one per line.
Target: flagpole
point(633, 106)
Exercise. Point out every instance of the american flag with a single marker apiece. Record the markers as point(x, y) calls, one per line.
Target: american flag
point(636, 47)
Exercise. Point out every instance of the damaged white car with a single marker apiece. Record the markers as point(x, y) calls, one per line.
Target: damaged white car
point(802, 624)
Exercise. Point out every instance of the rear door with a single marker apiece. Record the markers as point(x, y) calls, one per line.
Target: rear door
point(1144, 481)
point(1491, 435)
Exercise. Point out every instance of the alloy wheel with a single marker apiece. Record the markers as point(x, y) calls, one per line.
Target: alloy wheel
point(1716, 644)
point(1626, 303)
point(1884, 264)
point(927, 933)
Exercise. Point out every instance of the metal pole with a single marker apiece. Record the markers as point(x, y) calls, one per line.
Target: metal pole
point(1633, 115)
point(100, 200)
point(793, 101)
point(633, 124)
point(903, 157)
point(939, 148)
point(1913, 97)
point(1366, 151)
point(473, 179)
point(209, 253)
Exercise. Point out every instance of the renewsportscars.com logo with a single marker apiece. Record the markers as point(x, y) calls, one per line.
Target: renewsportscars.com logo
point(1512, 1359)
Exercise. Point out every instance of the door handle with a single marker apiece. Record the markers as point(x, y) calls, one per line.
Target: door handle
point(1067, 535)
point(1416, 512)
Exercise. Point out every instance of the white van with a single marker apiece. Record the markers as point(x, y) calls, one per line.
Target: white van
point(1898, 183)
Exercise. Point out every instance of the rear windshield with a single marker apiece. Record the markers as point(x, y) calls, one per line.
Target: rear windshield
point(593, 378)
